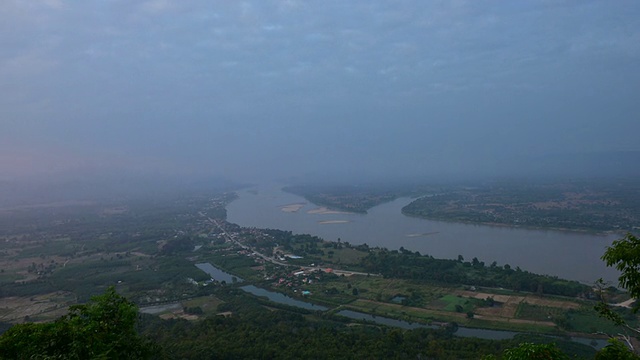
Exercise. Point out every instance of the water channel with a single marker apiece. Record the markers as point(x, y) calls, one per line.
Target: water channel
point(571, 255)
point(281, 298)
point(286, 300)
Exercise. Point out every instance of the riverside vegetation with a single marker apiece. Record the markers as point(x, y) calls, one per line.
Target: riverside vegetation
point(53, 258)
point(586, 205)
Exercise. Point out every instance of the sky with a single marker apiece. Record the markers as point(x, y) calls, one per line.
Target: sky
point(264, 89)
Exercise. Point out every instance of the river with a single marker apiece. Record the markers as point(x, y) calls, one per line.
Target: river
point(571, 255)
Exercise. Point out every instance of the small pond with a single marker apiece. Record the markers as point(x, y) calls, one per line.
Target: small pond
point(218, 274)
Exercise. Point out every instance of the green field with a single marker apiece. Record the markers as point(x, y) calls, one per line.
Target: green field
point(538, 313)
point(451, 303)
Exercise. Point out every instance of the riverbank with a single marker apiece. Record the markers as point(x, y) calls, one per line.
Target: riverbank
point(567, 254)
point(515, 226)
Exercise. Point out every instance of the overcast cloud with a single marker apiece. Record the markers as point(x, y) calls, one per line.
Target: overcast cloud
point(250, 89)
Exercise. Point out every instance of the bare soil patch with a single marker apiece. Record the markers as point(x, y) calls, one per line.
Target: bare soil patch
point(46, 306)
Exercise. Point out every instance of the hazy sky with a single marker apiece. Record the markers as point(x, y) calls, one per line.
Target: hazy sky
point(249, 89)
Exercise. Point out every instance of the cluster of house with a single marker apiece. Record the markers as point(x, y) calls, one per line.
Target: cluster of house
point(298, 279)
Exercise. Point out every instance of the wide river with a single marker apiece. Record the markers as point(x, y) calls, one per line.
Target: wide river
point(571, 255)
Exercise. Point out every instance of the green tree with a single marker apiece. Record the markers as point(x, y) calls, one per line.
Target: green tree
point(616, 350)
point(104, 328)
point(624, 255)
point(529, 351)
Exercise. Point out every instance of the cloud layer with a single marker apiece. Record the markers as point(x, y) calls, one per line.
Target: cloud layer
point(247, 89)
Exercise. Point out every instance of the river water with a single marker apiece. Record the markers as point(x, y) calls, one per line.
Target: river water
point(571, 255)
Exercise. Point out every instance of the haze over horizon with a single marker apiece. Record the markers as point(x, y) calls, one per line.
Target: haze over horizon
point(260, 90)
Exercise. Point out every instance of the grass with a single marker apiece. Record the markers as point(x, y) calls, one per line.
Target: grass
point(422, 315)
point(590, 323)
point(343, 256)
point(510, 326)
point(538, 313)
point(9, 277)
point(208, 304)
point(587, 321)
point(428, 315)
point(451, 302)
point(234, 264)
point(375, 289)
point(48, 248)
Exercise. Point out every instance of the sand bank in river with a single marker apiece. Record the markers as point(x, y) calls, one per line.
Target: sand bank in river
point(324, 211)
point(291, 208)
point(422, 234)
point(333, 222)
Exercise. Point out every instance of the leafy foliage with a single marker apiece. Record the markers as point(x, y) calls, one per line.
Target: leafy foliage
point(529, 351)
point(624, 255)
point(592, 206)
point(104, 328)
point(616, 350)
point(253, 332)
point(410, 265)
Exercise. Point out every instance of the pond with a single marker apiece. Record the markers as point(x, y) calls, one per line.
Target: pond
point(218, 274)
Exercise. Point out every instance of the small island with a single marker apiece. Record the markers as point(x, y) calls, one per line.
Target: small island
point(597, 206)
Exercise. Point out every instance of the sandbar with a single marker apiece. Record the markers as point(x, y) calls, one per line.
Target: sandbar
point(333, 222)
point(422, 234)
point(325, 211)
point(291, 208)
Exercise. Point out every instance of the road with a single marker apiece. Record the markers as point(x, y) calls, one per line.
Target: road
point(228, 237)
